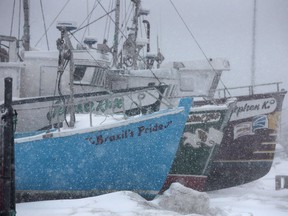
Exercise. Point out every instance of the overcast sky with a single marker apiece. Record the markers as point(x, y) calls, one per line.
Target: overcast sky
point(223, 28)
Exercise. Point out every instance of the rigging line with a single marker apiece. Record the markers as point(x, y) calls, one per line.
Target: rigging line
point(88, 19)
point(19, 20)
point(109, 23)
point(124, 17)
point(112, 18)
point(53, 101)
point(106, 22)
point(89, 53)
point(62, 97)
point(191, 34)
point(43, 17)
point(126, 20)
point(53, 22)
point(140, 57)
point(12, 21)
point(125, 10)
point(93, 21)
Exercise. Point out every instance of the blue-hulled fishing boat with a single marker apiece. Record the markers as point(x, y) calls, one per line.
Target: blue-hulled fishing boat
point(133, 154)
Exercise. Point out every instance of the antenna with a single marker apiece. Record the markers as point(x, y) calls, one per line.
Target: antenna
point(68, 26)
point(253, 47)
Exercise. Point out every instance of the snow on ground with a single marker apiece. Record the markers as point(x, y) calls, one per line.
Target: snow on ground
point(258, 198)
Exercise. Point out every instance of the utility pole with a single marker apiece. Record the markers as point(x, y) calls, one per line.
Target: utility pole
point(253, 47)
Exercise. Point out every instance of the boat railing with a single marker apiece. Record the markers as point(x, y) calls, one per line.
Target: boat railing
point(120, 105)
point(249, 89)
point(123, 103)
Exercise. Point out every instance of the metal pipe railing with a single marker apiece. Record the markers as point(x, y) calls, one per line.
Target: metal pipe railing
point(251, 89)
point(109, 104)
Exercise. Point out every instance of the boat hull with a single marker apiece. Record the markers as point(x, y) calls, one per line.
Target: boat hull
point(200, 141)
point(133, 156)
point(248, 146)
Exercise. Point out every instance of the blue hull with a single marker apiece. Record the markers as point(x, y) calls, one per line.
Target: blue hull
point(136, 156)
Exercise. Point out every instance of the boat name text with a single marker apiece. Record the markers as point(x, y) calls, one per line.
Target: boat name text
point(203, 118)
point(125, 134)
point(86, 107)
point(246, 109)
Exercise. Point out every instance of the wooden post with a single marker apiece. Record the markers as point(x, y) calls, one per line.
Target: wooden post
point(7, 165)
point(1, 165)
point(278, 182)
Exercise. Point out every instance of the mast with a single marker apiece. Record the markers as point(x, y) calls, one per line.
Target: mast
point(26, 33)
point(135, 28)
point(148, 34)
point(253, 46)
point(131, 48)
point(116, 34)
point(65, 48)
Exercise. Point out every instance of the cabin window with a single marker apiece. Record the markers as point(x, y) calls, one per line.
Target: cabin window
point(79, 72)
point(187, 83)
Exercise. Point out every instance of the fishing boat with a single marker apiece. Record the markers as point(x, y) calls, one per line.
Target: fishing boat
point(247, 150)
point(124, 148)
point(250, 138)
point(119, 151)
point(91, 76)
point(199, 144)
point(192, 78)
point(248, 146)
point(52, 82)
point(200, 79)
point(100, 154)
point(205, 125)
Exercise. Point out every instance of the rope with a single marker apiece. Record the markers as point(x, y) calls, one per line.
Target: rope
point(107, 22)
point(92, 22)
point(72, 34)
point(51, 108)
point(52, 22)
point(126, 20)
point(12, 21)
point(43, 17)
point(88, 20)
point(191, 34)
